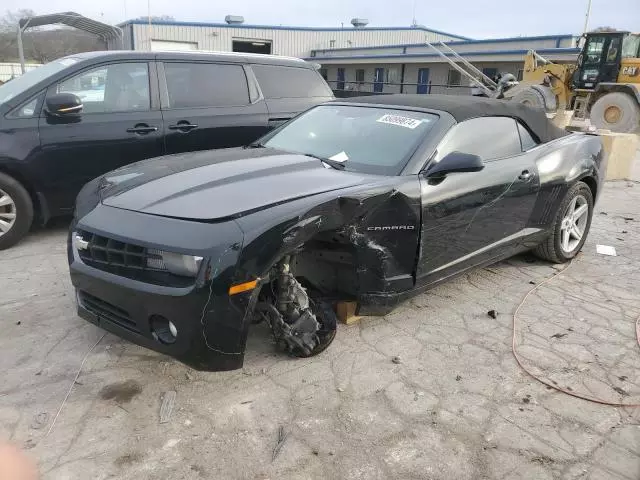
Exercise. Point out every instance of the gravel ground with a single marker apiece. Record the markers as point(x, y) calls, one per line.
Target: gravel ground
point(455, 405)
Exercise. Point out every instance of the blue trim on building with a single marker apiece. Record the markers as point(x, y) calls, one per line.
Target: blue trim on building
point(541, 51)
point(281, 27)
point(557, 38)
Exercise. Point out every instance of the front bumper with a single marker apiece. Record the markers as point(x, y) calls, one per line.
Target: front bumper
point(211, 326)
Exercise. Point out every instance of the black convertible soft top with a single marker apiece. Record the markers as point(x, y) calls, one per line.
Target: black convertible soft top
point(463, 107)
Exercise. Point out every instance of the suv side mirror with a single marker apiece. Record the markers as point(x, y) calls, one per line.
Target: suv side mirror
point(63, 105)
point(455, 162)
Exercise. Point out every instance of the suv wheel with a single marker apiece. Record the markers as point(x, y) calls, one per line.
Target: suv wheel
point(16, 211)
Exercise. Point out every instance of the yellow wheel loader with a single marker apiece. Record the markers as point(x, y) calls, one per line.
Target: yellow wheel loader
point(603, 86)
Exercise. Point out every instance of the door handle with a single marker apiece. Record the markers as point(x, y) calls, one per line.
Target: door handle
point(526, 175)
point(183, 126)
point(142, 129)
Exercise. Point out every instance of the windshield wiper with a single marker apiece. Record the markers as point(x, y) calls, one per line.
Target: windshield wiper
point(332, 163)
point(255, 145)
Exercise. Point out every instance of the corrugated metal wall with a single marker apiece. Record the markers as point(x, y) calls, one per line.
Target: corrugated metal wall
point(295, 43)
point(460, 47)
point(11, 70)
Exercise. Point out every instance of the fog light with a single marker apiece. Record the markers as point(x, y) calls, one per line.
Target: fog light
point(162, 329)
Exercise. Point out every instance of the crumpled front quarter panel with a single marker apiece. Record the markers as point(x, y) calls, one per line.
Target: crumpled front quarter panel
point(379, 220)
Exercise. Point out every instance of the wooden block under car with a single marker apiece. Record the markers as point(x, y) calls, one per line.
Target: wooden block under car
point(346, 312)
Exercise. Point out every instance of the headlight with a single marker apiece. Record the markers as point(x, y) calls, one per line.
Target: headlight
point(176, 263)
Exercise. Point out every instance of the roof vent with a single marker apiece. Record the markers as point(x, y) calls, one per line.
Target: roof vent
point(234, 19)
point(359, 22)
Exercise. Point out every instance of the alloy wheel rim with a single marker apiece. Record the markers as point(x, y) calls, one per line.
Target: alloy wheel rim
point(574, 224)
point(7, 212)
point(612, 114)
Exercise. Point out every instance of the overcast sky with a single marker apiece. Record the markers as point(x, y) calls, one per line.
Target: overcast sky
point(473, 18)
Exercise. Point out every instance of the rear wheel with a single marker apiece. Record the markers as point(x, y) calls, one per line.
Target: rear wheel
point(616, 111)
point(571, 226)
point(16, 211)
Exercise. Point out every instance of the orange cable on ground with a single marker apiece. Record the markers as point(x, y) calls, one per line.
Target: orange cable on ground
point(545, 382)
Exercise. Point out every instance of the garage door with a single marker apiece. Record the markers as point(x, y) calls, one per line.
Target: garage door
point(157, 45)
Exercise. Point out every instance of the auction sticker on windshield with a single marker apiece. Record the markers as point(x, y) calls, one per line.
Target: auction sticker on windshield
point(400, 121)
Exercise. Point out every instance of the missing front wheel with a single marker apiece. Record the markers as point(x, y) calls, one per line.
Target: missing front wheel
point(302, 324)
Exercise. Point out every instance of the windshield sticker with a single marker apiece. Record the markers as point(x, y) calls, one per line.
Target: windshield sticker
point(340, 157)
point(400, 121)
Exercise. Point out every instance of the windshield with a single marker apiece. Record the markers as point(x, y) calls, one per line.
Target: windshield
point(29, 79)
point(631, 46)
point(364, 139)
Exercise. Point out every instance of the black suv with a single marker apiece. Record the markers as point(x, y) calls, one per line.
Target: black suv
point(73, 119)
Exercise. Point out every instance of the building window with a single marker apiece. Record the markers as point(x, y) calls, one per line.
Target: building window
point(490, 72)
point(340, 82)
point(520, 75)
point(360, 76)
point(323, 72)
point(454, 78)
point(392, 75)
point(332, 43)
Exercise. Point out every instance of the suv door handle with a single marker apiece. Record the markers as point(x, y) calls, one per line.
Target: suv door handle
point(183, 126)
point(142, 129)
point(526, 175)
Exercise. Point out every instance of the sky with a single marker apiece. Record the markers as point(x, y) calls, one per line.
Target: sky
point(472, 18)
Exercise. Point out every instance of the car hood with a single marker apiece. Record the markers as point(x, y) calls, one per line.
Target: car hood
point(219, 184)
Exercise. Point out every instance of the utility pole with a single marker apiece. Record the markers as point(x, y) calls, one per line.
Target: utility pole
point(149, 25)
point(586, 17)
point(415, 22)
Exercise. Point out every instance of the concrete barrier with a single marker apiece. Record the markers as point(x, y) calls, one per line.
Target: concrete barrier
point(621, 148)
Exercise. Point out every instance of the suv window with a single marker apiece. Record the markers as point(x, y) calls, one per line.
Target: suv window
point(28, 109)
point(193, 85)
point(487, 137)
point(290, 82)
point(526, 139)
point(119, 87)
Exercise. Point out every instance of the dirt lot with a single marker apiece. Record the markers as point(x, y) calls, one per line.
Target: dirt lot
point(455, 406)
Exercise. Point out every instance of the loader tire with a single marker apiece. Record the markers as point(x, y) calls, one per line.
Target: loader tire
point(537, 96)
point(616, 111)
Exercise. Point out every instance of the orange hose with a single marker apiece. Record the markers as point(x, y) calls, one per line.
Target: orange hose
point(545, 382)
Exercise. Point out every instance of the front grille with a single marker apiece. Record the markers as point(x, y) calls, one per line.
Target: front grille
point(125, 259)
point(107, 311)
point(113, 253)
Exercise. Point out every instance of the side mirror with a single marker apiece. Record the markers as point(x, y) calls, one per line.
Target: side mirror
point(455, 162)
point(63, 105)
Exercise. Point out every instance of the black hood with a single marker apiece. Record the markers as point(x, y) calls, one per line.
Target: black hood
point(216, 184)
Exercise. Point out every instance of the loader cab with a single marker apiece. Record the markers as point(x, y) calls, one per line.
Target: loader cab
point(601, 57)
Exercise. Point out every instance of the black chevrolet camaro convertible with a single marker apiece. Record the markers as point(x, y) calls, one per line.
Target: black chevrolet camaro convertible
point(371, 200)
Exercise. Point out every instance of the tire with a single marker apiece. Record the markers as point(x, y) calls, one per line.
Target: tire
point(552, 248)
point(537, 96)
point(16, 214)
point(616, 111)
point(328, 321)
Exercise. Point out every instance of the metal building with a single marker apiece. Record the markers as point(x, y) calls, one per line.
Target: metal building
point(279, 40)
point(417, 68)
point(357, 59)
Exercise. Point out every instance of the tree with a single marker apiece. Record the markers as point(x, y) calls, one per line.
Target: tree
point(42, 44)
point(604, 29)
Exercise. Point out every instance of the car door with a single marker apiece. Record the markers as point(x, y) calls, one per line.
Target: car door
point(209, 105)
point(471, 217)
point(120, 123)
point(290, 90)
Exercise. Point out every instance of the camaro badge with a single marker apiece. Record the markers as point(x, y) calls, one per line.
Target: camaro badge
point(391, 227)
